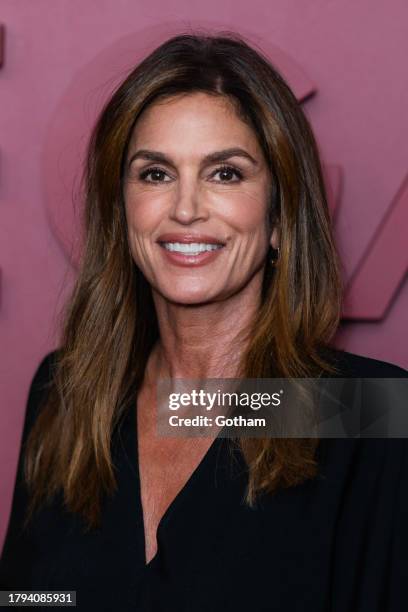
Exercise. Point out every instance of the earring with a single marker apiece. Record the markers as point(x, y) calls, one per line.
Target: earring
point(274, 259)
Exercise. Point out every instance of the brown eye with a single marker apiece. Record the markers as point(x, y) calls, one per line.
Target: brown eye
point(156, 175)
point(227, 174)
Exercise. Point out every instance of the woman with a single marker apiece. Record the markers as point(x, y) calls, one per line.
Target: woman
point(209, 254)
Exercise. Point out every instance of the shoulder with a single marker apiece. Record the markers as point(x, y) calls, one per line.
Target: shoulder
point(352, 365)
point(16, 554)
point(371, 400)
point(43, 372)
point(40, 384)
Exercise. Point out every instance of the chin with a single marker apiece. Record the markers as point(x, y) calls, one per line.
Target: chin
point(191, 300)
point(188, 295)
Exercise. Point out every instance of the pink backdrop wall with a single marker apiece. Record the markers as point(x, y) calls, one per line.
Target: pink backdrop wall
point(62, 58)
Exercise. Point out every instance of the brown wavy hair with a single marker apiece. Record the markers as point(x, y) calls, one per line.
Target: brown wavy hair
point(109, 323)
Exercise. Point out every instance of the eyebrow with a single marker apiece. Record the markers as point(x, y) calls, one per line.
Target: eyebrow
point(215, 157)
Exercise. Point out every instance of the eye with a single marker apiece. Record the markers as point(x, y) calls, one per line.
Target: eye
point(156, 174)
point(226, 172)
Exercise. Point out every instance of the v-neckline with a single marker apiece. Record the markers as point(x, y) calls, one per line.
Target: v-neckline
point(177, 500)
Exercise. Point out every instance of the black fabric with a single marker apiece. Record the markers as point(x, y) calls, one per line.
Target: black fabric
point(338, 543)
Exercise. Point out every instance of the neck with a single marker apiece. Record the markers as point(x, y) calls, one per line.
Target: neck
point(202, 341)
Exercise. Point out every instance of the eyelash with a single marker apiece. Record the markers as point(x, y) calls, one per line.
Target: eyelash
point(143, 175)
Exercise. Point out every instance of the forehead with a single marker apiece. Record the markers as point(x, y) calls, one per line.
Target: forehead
point(192, 121)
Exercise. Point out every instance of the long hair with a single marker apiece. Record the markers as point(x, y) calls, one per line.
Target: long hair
point(109, 323)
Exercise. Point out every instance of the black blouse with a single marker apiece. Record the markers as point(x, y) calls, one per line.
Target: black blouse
point(337, 543)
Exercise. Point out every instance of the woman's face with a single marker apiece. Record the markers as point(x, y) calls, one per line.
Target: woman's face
point(196, 195)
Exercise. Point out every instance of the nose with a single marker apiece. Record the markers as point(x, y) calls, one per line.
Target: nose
point(189, 202)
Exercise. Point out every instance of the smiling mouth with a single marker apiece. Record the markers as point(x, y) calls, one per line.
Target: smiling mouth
point(190, 254)
point(191, 248)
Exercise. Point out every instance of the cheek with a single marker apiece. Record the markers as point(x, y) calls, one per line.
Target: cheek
point(143, 211)
point(245, 209)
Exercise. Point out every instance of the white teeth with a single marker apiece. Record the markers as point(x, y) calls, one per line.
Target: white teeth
point(192, 248)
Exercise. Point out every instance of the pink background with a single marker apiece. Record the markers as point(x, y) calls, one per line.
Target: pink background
point(62, 57)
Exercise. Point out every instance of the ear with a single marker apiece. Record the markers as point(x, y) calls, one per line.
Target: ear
point(275, 237)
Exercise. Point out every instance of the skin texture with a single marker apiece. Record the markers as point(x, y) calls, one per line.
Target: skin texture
point(199, 309)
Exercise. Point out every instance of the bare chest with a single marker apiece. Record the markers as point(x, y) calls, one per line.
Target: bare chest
point(165, 467)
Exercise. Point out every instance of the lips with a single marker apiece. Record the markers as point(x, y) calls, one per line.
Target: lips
point(190, 238)
point(203, 250)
